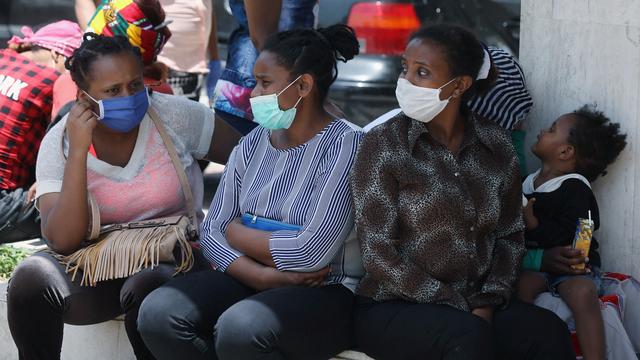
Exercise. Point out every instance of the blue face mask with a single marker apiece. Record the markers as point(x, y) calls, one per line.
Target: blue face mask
point(123, 114)
point(267, 112)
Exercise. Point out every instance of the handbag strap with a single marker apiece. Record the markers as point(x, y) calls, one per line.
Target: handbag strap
point(177, 164)
point(95, 217)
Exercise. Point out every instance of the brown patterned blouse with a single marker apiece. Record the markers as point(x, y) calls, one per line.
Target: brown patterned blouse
point(434, 227)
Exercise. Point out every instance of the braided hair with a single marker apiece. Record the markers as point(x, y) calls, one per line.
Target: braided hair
point(93, 47)
point(315, 52)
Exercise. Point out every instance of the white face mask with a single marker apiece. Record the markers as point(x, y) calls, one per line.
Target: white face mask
point(422, 104)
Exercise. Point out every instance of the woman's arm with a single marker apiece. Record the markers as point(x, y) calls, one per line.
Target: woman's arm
point(509, 244)
point(252, 242)
point(224, 208)
point(224, 138)
point(65, 215)
point(375, 191)
point(261, 277)
point(84, 11)
point(263, 18)
point(326, 225)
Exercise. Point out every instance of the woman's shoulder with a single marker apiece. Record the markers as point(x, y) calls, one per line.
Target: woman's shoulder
point(51, 156)
point(53, 138)
point(173, 108)
point(340, 133)
point(496, 138)
point(343, 128)
point(390, 133)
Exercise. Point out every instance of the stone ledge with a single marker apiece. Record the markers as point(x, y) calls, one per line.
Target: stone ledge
point(104, 341)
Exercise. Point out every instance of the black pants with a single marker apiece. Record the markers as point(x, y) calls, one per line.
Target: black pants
point(41, 298)
point(404, 330)
point(210, 315)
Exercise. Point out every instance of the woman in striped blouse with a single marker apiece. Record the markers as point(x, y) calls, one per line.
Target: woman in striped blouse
point(285, 292)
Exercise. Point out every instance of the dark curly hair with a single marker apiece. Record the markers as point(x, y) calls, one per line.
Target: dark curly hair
point(464, 54)
point(94, 46)
point(314, 52)
point(597, 142)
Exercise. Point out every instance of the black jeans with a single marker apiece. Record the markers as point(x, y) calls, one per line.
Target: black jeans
point(404, 330)
point(210, 315)
point(41, 298)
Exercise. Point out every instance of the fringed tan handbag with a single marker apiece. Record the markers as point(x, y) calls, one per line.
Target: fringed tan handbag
point(120, 250)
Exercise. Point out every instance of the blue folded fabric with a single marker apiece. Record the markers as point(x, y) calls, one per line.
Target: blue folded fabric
point(260, 223)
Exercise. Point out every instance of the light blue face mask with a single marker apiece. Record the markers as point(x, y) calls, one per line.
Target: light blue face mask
point(123, 113)
point(267, 112)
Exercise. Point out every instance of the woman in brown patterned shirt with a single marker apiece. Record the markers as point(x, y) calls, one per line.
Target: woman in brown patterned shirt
point(439, 216)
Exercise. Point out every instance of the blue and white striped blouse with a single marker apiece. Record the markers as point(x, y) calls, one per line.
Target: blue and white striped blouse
point(307, 186)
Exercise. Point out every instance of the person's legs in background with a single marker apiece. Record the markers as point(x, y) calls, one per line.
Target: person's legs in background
point(236, 82)
point(234, 86)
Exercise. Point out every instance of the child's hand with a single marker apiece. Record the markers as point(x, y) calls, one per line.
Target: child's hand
point(529, 218)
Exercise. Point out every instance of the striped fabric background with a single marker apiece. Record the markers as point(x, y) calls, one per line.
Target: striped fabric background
point(508, 102)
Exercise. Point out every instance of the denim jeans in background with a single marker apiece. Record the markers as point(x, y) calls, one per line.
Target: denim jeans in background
point(233, 89)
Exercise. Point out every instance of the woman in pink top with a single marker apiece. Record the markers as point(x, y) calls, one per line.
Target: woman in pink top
point(122, 161)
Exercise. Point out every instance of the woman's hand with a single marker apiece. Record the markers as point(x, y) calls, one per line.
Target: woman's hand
point(558, 261)
point(530, 220)
point(80, 125)
point(484, 312)
point(276, 278)
point(31, 194)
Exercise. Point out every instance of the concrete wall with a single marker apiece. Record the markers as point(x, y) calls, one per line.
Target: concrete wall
point(576, 52)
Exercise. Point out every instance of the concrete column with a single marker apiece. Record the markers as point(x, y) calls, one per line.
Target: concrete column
point(577, 52)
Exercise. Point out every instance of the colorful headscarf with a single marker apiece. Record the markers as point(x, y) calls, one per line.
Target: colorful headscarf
point(62, 37)
point(125, 18)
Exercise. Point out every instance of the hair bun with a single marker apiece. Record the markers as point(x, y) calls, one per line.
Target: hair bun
point(342, 39)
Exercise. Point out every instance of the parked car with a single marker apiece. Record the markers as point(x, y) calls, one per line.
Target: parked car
point(365, 87)
point(14, 14)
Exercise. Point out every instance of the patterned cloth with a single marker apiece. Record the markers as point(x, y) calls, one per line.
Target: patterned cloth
point(508, 102)
point(434, 227)
point(62, 37)
point(306, 186)
point(26, 91)
point(125, 18)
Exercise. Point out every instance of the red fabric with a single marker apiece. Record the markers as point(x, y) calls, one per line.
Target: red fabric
point(161, 87)
point(26, 91)
point(576, 345)
point(92, 151)
point(617, 276)
point(613, 299)
point(64, 91)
